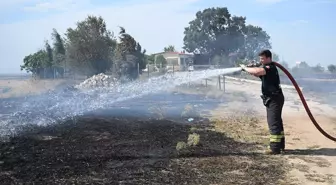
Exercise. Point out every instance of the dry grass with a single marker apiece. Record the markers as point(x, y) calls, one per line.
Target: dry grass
point(190, 112)
point(301, 167)
point(243, 127)
point(26, 87)
point(158, 111)
point(181, 145)
point(194, 139)
point(319, 178)
point(318, 161)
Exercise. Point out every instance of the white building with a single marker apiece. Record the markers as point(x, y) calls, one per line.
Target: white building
point(179, 60)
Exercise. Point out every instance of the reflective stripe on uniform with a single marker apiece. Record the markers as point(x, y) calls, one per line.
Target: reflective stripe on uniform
point(276, 138)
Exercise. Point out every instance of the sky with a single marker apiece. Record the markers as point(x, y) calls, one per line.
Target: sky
point(300, 30)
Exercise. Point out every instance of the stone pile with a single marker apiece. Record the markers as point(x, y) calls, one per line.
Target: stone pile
point(98, 81)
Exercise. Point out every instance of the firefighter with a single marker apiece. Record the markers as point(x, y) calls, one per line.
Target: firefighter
point(272, 97)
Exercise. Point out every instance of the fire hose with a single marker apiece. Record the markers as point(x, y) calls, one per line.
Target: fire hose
point(303, 100)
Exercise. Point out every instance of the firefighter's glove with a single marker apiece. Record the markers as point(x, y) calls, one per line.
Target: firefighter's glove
point(250, 65)
point(243, 67)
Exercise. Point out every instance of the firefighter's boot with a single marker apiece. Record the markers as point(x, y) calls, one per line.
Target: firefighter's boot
point(269, 151)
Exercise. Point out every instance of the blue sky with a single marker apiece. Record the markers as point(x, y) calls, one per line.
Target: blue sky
point(300, 29)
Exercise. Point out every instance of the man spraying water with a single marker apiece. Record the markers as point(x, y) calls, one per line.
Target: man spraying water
point(272, 97)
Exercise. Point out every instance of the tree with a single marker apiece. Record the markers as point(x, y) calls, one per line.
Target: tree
point(36, 63)
point(58, 43)
point(48, 67)
point(150, 59)
point(302, 67)
point(141, 56)
point(58, 53)
point(43, 63)
point(128, 56)
point(210, 32)
point(90, 46)
point(318, 68)
point(170, 48)
point(89, 49)
point(256, 39)
point(216, 33)
point(160, 60)
point(49, 54)
point(39, 63)
point(332, 68)
point(219, 60)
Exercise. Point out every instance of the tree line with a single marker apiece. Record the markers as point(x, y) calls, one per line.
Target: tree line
point(90, 48)
point(304, 67)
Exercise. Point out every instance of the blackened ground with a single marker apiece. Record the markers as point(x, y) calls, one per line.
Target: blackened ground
point(110, 150)
point(123, 145)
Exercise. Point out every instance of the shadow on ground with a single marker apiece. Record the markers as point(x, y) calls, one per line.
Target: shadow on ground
point(109, 150)
point(315, 152)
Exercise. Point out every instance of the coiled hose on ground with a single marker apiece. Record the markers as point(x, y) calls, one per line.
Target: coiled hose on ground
point(303, 100)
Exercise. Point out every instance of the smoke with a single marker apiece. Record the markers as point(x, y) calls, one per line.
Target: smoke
point(314, 82)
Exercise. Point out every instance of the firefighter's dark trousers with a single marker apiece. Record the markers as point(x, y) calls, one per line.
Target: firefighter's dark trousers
point(274, 119)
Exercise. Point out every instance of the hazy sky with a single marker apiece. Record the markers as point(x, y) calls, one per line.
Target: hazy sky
point(300, 29)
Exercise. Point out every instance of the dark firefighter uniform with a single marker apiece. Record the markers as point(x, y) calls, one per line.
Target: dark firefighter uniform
point(273, 99)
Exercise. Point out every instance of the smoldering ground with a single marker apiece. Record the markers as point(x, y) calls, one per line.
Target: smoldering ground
point(148, 140)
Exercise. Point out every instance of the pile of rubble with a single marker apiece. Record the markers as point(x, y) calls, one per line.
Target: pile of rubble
point(100, 80)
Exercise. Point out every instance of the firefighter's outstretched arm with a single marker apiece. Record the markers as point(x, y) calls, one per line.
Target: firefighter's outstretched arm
point(255, 71)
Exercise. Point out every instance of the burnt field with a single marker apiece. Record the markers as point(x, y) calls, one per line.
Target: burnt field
point(139, 143)
point(109, 150)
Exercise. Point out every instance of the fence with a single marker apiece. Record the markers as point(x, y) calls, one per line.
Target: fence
point(153, 71)
point(219, 82)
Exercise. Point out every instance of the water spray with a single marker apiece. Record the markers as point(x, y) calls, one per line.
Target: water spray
point(56, 107)
point(303, 100)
